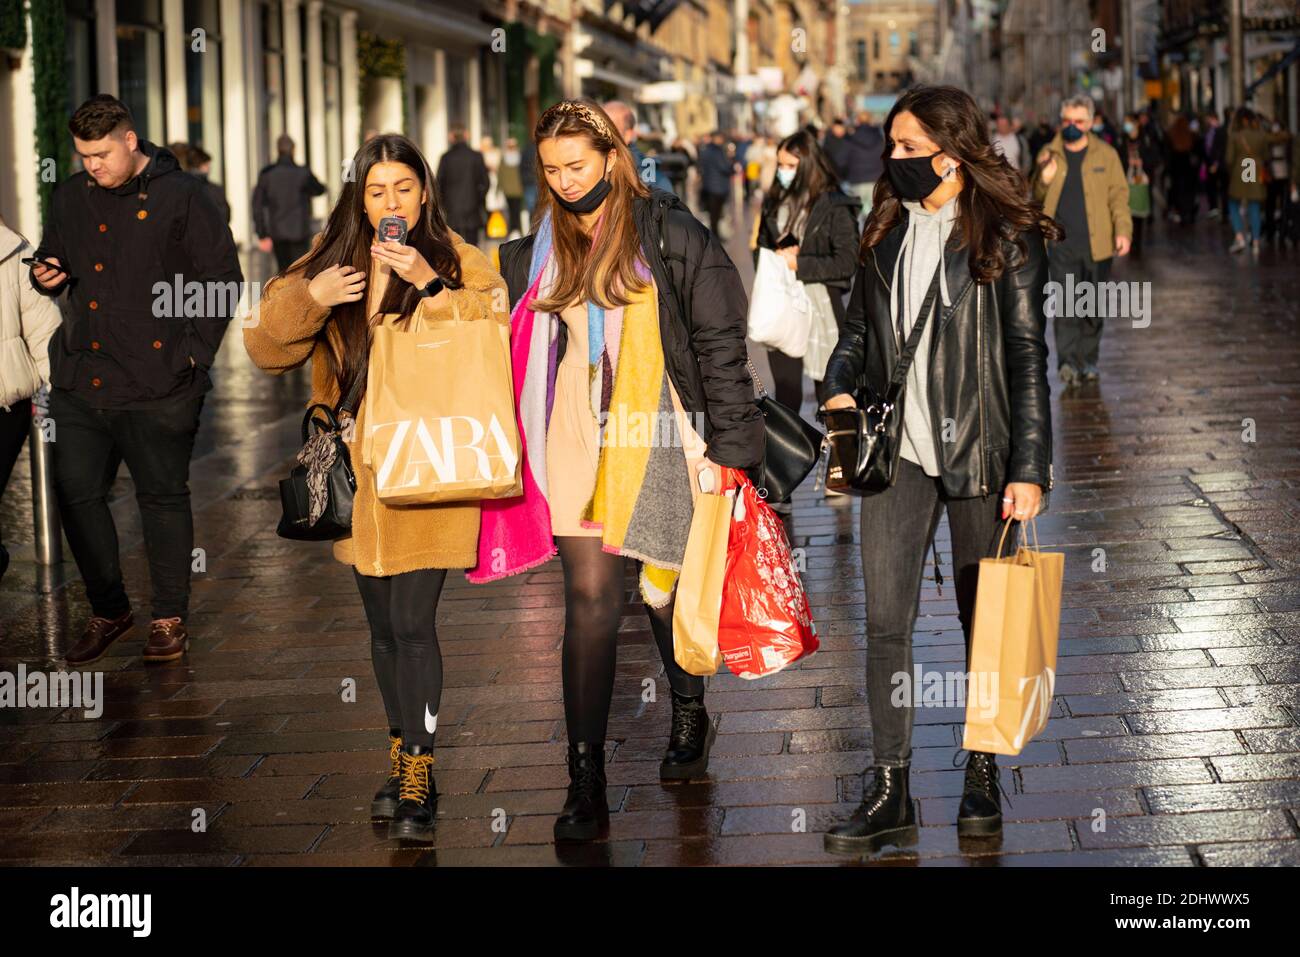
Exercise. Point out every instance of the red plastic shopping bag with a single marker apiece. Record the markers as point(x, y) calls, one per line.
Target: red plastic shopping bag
point(765, 622)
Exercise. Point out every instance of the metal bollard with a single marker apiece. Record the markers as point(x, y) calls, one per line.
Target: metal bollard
point(45, 512)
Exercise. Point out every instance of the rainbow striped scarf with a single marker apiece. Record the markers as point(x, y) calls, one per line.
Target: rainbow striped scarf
point(641, 501)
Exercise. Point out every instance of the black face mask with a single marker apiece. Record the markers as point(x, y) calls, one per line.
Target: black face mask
point(589, 201)
point(913, 178)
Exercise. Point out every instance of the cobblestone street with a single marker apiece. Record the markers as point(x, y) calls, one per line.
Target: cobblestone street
point(1177, 708)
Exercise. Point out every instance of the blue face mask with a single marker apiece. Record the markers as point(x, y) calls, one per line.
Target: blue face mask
point(785, 177)
point(1071, 133)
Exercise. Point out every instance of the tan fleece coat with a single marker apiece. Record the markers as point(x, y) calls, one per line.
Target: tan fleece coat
point(385, 540)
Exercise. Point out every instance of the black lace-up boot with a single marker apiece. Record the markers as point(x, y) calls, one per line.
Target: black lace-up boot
point(585, 815)
point(417, 804)
point(885, 816)
point(689, 741)
point(385, 800)
point(981, 804)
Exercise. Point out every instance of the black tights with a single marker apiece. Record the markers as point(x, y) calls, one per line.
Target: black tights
point(404, 648)
point(593, 604)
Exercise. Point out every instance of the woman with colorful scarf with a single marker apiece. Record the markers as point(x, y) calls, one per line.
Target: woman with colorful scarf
point(628, 348)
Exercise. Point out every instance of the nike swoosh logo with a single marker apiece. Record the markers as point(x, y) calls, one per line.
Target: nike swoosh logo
point(430, 720)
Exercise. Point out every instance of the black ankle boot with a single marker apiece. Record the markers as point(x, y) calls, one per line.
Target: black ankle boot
point(981, 805)
point(417, 804)
point(585, 814)
point(885, 816)
point(689, 741)
point(385, 800)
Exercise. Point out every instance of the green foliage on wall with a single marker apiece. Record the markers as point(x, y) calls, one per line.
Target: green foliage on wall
point(50, 87)
point(13, 25)
point(378, 57)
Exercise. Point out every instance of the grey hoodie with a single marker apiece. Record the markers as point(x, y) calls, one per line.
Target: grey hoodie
point(921, 251)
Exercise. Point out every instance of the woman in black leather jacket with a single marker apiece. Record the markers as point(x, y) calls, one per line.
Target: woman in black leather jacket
point(949, 221)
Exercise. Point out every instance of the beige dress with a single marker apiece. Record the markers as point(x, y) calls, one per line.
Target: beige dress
point(573, 435)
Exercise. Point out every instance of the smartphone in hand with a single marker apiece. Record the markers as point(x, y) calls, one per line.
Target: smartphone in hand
point(392, 229)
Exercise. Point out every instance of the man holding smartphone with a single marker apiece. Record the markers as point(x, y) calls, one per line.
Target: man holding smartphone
point(129, 368)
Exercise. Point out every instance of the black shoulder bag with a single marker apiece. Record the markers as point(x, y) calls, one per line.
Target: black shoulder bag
point(863, 443)
point(316, 498)
point(791, 444)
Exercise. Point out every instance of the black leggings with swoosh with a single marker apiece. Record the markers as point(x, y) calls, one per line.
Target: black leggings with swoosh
point(404, 648)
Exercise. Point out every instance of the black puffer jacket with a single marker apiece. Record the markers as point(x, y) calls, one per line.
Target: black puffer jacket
point(988, 365)
point(702, 313)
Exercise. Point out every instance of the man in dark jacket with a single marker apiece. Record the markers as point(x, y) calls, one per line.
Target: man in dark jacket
point(152, 278)
point(837, 148)
point(282, 206)
point(865, 160)
point(463, 185)
point(198, 162)
point(717, 167)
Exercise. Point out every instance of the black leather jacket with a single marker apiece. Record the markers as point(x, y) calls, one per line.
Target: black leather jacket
point(988, 365)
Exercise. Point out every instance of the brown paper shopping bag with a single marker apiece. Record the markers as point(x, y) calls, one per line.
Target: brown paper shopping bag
point(1013, 647)
point(699, 585)
point(439, 412)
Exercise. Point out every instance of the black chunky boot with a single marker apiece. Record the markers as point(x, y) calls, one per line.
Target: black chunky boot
point(885, 816)
point(980, 813)
point(385, 800)
point(689, 741)
point(586, 814)
point(417, 804)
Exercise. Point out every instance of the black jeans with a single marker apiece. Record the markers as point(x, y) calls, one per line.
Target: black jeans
point(898, 525)
point(787, 380)
point(14, 426)
point(1078, 338)
point(404, 648)
point(713, 204)
point(289, 251)
point(156, 445)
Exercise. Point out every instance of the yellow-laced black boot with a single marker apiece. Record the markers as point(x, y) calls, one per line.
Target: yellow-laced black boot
point(417, 804)
point(385, 801)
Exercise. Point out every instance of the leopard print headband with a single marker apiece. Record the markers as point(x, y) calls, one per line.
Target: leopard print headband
point(581, 110)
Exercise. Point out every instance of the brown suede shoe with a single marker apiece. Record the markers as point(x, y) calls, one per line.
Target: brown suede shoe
point(100, 633)
point(168, 640)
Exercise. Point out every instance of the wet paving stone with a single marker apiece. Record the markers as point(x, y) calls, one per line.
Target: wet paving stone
point(1175, 731)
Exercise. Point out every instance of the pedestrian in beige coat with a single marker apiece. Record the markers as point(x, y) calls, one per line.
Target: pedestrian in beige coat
point(27, 321)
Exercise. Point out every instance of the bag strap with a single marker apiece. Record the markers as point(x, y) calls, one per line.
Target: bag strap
point(762, 389)
point(349, 402)
point(913, 342)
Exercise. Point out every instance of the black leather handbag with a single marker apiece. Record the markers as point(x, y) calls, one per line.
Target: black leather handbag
point(339, 481)
point(863, 443)
point(792, 446)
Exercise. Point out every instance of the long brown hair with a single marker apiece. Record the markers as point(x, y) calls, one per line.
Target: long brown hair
point(603, 272)
point(346, 240)
point(992, 205)
point(814, 176)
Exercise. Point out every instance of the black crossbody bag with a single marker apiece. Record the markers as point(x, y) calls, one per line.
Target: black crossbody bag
point(340, 482)
point(863, 443)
